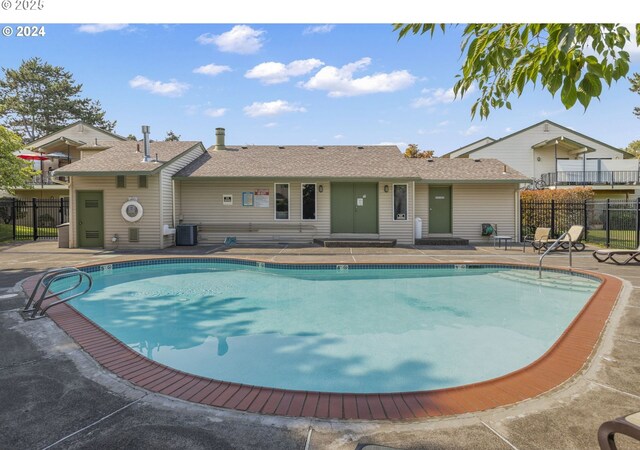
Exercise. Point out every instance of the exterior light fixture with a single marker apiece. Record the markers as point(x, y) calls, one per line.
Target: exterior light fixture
point(539, 159)
point(386, 188)
point(320, 188)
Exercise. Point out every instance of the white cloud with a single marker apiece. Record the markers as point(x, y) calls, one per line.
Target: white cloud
point(549, 113)
point(257, 109)
point(444, 123)
point(171, 88)
point(319, 29)
point(271, 124)
point(473, 129)
point(400, 145)
point(215, 112)
point(211, 69)
point(101, 27)
point(275, 72)
point(508, 130)
point(340, 82)
point(339, 136)
point(439, 96)
point(240, 39)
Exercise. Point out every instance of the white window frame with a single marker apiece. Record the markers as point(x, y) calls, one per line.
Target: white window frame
point(393, 202)
point(315, 200)
point(275, 201)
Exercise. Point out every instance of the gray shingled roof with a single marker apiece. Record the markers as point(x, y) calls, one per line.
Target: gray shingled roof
point(123, 157)
point(301, 161)
point(465, 169)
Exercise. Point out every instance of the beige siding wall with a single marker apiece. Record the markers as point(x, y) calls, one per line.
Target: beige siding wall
point(422, 206)
point(79, 133)
point(516, 151)
point(47, 194)
point(113, 199)
point(474, 205)
point(466, 148)
point(200, 202)
point(402, 230)
point(167, 195)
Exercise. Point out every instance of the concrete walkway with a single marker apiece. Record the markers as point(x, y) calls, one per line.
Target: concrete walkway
point(52, 395)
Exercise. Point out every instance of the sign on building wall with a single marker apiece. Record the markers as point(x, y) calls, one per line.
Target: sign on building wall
point(247, 199)
point(261, 198)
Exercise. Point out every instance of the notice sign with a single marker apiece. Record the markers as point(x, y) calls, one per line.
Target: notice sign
point(261, 198)
point(247, 199)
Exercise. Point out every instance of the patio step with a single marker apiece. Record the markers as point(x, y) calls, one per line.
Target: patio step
point(442, 241)
point(355, 242)
point(530, 277)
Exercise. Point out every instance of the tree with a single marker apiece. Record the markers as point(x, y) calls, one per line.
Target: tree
point(132, 137)
point(37, 99)
point(501, 59)
point(14, 172)
point(171, 136)
point(413, 151)
point(634, 148)
point(635, 87)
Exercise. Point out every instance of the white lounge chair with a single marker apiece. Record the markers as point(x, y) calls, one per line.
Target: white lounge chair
point(609, 254)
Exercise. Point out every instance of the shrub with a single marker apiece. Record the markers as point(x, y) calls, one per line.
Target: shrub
point(577, 194)
point(46, 221)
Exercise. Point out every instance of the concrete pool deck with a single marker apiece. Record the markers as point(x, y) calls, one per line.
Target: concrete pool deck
point(52, 390)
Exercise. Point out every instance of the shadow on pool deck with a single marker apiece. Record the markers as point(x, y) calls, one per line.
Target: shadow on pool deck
point(51, 390)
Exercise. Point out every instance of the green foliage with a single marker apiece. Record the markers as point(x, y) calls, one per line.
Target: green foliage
point(37, 99)
point(14, 172)
point(635, 87)
point(413, 151)
point(171, 136)
point(634, 148)
point(132, 137)
point(502, 59)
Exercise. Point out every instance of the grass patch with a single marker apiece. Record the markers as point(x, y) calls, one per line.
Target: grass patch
point(617, 238)
point(6, 232)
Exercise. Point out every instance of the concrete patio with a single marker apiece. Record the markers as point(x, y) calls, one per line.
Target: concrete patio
point(53, 395)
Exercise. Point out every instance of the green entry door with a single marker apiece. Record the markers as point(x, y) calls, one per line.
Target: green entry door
point(354, 208)
point(439, 209)
point(90, 219)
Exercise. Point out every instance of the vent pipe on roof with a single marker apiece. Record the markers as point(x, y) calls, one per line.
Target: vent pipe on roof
point(219, 139)
point(145, 134)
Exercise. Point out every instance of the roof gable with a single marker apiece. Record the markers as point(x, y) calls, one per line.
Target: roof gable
point(72, 134)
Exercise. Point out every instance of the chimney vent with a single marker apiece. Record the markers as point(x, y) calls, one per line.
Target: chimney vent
point(145, 133)
point(220, 139)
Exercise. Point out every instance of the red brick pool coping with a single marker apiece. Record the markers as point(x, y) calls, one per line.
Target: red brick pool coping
point(566, 357)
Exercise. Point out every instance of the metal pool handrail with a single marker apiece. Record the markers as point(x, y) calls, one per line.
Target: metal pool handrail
point(553, 246)
point(47, 280)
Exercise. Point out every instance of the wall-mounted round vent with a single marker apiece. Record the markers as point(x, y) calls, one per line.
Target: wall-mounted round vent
point(132, 211)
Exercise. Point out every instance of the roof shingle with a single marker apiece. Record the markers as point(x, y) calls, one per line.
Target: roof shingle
point(124, 157)
point(465, 169)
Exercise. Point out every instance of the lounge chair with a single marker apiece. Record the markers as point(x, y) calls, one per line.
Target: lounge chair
point(610, 254)
point(540, 236)
point(628, 425)
point(573, 239)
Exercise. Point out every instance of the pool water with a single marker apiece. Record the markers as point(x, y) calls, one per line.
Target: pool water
point(355, 330)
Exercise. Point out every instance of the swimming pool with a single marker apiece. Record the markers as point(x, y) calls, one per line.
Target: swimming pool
point(335, 328)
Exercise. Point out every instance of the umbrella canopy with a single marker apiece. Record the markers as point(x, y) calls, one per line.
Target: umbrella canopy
point(57, 155)
point(32, 157)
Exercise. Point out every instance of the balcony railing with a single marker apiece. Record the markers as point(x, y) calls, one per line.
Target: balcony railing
point(592, 178)
point(46, 180)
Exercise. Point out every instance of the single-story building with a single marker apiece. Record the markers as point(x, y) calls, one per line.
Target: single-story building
point(282, 194)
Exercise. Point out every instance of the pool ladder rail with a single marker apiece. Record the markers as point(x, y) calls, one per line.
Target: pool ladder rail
point(35, 307)
point(553, 246)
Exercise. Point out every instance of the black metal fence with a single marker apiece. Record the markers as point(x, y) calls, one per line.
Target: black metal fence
point(33, 219)
point(610, 223)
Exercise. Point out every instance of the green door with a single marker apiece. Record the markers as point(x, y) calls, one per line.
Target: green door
point(439, 209)
point(90, 219)
point(354, 208)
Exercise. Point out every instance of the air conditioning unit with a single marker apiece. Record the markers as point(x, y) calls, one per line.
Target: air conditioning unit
point(186, 234)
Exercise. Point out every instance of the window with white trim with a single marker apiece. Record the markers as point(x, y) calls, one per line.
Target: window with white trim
point(282, 201)
point(400, 201)
point(309, 197)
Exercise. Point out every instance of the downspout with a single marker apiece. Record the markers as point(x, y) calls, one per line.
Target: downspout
point(584, 168)
point(555, 155)
point(413, 210)
point(173, 203)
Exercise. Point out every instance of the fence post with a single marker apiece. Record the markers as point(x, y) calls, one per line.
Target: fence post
point(34, 212)
point(586, 224)
point(637, 222)
point(553, 218)
point(14, 215)
point(522, 219)
point(61, 210)
point(607, 241)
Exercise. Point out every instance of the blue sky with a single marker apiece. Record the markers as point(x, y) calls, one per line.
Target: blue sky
point(323, 85)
